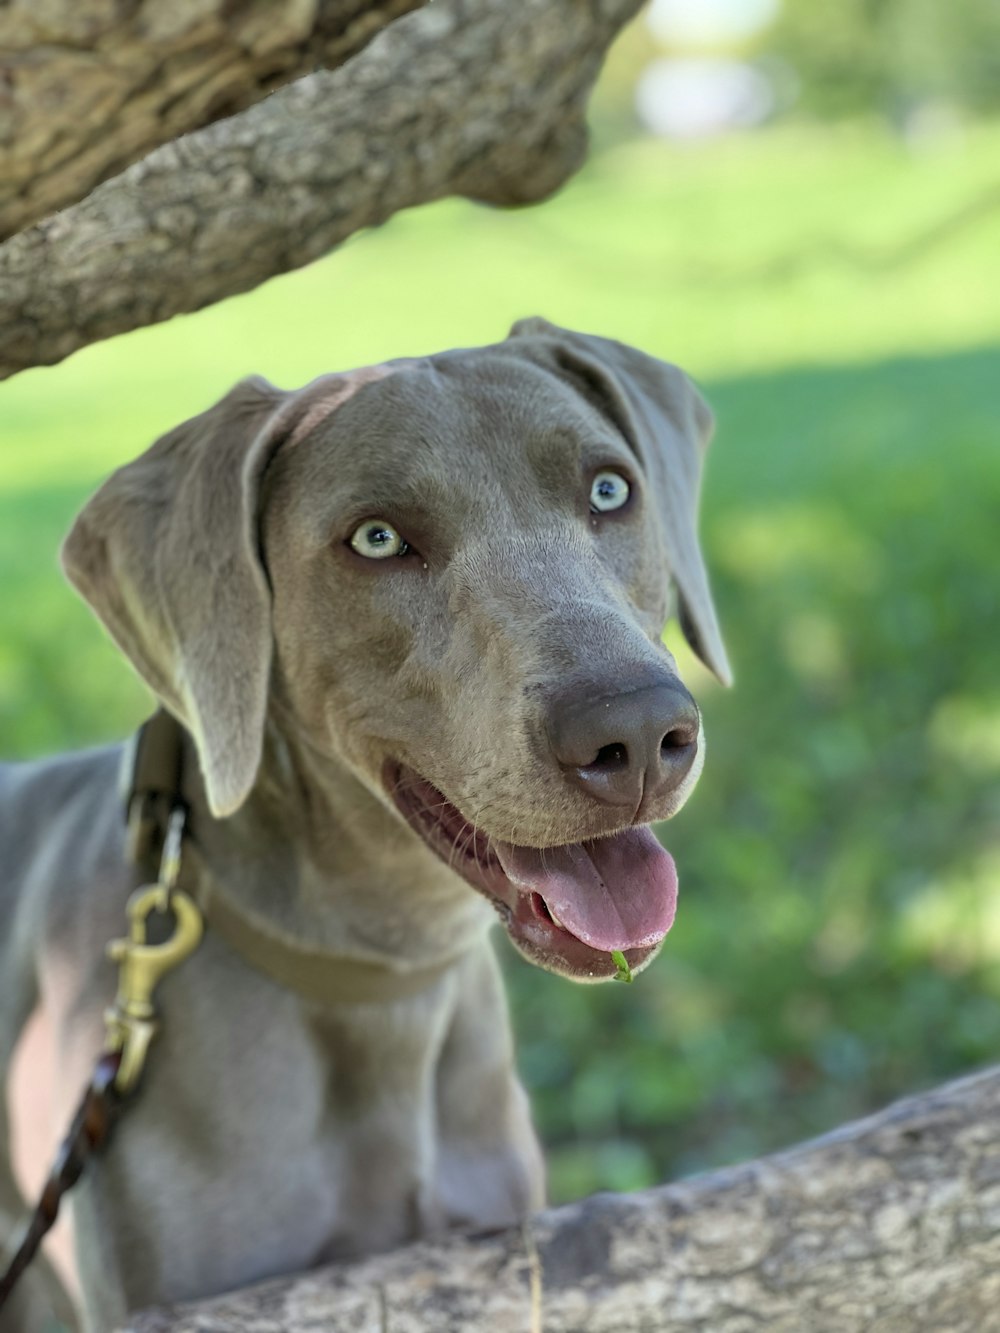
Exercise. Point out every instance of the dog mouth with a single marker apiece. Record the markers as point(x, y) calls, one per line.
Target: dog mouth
point(566, 908)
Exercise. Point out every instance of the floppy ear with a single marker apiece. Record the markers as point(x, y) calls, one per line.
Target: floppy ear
point(668, 424)
point(166, 555)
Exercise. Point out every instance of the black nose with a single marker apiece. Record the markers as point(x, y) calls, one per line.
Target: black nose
point(623, 748)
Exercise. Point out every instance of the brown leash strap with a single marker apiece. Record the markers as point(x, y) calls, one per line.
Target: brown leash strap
point(131, 1023)
point(150, 783)
point(91, 1127)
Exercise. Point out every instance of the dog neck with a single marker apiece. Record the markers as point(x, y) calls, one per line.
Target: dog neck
point(321, 858)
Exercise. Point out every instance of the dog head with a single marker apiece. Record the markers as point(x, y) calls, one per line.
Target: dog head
point(451, 575)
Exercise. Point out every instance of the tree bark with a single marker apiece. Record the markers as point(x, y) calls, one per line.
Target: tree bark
point(90, 86)
point(479, 98)
point(890, 1225)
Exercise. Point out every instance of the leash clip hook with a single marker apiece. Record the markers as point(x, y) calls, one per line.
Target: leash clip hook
point(131, 1020)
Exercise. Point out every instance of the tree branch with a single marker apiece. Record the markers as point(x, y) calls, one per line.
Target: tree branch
point(470, 97)
point(88, 87)
point(889, 1224)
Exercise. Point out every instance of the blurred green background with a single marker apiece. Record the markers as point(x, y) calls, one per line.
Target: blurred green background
point(832, 277)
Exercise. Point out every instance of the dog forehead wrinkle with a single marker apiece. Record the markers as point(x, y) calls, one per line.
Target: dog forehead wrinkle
point(551, 423)
point(413, 403)
point(470, 399)
point(433, 442)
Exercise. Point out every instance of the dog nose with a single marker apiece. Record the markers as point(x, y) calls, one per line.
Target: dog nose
point(624, 748)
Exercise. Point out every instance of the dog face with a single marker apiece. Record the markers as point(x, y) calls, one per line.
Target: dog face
point(452, 577)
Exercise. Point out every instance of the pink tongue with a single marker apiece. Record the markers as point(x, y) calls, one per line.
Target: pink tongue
point(612, 893)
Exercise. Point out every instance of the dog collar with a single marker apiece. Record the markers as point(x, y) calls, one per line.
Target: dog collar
point(152, 773)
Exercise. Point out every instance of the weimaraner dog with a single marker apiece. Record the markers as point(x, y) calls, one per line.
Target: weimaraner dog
point(410, 618)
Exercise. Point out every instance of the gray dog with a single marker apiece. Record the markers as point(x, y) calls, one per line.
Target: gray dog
point(410, 618)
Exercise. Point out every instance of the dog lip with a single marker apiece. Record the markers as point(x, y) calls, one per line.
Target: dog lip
point(525, 914)
point(441, 825)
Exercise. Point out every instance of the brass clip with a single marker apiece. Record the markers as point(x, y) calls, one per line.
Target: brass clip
point(131, 1020)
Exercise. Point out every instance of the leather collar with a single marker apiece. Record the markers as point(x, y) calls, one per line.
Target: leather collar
point(152, 774)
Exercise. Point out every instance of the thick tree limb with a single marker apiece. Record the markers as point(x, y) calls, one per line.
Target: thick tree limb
point(89, 86)
point(890, 1225)
point(480, 98)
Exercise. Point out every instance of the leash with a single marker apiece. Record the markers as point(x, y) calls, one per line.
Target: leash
point(156, 813)
point(130, 1025)
point(88, 1133)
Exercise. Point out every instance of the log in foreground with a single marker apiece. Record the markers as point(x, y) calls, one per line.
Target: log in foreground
point(889, 1225)
point(86, 87)
point(479, 98)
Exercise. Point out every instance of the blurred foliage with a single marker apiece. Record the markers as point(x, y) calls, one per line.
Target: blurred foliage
point(890, 56)
point(838, 938)
point(912, 63)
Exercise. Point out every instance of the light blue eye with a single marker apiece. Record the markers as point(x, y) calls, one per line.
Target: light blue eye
point(377, 540)
point(609, 491)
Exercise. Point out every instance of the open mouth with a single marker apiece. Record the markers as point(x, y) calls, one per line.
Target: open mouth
point(566, 908)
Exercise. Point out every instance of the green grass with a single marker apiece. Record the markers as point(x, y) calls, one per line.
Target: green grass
point(838, 938)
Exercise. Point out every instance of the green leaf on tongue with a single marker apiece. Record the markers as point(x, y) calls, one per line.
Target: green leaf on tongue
point(624, 972)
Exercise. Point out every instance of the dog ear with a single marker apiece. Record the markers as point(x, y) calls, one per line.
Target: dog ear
point(669, 425)
point(167, 554)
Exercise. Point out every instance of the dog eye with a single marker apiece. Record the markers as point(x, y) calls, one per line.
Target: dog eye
point(609, 491)
point(378, 540)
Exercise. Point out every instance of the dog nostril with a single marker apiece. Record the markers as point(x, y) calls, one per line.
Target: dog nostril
point(677, 739)
point(610, 757)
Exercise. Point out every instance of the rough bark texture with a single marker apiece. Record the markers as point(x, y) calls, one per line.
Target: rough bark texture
point(90, 86)
point(891, 1225)
point(482, 98)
